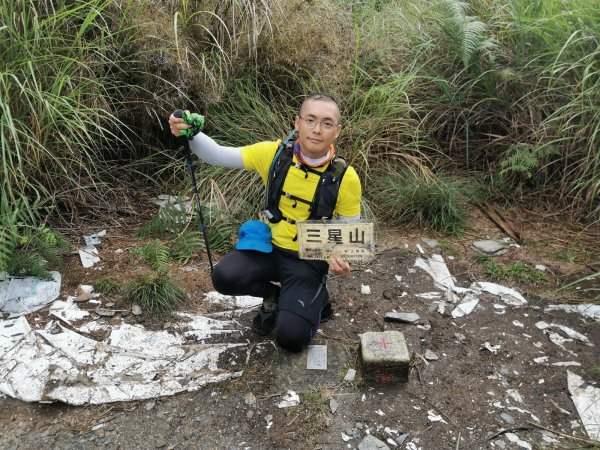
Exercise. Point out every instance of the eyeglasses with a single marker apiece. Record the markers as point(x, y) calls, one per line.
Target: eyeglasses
point(326, 125)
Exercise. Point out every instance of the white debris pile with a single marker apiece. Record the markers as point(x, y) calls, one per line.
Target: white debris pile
point(130, 363)
point(24, 295)
point(465, 299)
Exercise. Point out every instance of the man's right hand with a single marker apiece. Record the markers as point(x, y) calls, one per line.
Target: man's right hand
point(176, 124)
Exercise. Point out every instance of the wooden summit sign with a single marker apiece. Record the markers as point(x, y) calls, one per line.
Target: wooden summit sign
point(353, 242)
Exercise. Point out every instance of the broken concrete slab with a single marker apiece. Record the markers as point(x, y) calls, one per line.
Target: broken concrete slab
point(587, 403)
point(24, 295)
point(131, 363)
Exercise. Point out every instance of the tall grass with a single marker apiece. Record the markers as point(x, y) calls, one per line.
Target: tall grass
point(508, 89)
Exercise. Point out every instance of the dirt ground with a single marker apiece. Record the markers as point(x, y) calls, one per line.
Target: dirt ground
point(468, 398)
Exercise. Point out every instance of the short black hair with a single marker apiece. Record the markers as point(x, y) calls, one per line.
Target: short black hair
point(324, 97)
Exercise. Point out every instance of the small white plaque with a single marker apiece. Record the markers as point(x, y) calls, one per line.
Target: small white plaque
point(316, 357)
point(354, 242)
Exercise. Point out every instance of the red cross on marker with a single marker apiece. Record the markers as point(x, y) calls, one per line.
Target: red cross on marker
point(384, 342)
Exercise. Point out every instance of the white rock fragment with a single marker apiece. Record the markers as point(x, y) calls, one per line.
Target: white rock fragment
point(89, 256)
point(591, 311)
point(587, 403)
point(516, 323)
point(86, 288)
point(437, 269)
point(350, 375)
point(507, 295)
point(466, 307)
point(431, 356)
point(365, 289)
point(345, 437)
point(430, 295)
point(516, 440)
point(398, 277)
point(380, 412)
point(290, 399)
point(491, 348)
point(566, 364)
point(432, 416)
point(572, 334)
point(515, 395)
point(540, 360)
point(333, 405)
point(540, 267)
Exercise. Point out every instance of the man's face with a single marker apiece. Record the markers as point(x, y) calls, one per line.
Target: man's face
point(323, 116)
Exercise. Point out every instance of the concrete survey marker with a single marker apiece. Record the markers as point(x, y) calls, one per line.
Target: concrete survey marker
point(384, 356)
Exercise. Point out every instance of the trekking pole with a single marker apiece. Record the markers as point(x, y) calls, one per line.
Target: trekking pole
point(197, 123)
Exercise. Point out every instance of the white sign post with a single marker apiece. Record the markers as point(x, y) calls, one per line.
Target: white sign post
point(353, 242)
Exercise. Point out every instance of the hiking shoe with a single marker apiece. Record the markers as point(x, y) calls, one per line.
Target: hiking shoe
point(327, 311)
point(264, 322)
point(266, 319)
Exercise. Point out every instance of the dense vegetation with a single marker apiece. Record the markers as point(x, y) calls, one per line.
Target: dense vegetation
point(444, 101)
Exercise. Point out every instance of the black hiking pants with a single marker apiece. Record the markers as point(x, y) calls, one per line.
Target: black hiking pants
point(303, 291)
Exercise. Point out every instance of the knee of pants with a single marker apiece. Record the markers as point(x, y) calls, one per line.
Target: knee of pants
point(224, 279)
point(294, 332)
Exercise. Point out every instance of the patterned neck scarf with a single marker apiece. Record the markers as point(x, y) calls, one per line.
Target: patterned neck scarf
point(313, 162)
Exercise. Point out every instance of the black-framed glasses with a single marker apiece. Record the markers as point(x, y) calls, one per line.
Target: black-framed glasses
point(327, 125)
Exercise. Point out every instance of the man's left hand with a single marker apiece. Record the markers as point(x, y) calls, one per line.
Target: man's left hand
point(339, 266)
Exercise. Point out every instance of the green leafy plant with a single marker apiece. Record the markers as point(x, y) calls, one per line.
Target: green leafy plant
point(471, 37)
point(156, 293)
point(155, 253)
point(170, 220)
point(27, 247)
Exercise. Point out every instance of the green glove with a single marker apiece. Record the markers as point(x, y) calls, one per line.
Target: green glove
point(197, 123)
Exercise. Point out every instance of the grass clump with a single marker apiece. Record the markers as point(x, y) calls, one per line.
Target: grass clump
point(156, 293)
point(438, 202)
point(106, 285)
point(518, 271)
point(315, 419)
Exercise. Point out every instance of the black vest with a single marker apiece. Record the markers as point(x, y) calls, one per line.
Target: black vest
point(326, 193)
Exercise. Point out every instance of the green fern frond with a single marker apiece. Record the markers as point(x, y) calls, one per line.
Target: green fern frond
point(155, 253)
point(24, 263)
point(186, 246)
point(169, 220)
point(523, 160)
point(469, 35)
point(49, 244)
point(221, 236)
